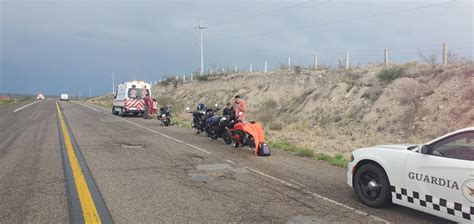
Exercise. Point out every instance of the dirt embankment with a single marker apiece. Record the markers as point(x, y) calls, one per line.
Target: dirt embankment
point(335, 111)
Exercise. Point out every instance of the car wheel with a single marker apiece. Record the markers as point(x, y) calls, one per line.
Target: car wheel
point(371, 186)
point(114, 112)
point(121, 113)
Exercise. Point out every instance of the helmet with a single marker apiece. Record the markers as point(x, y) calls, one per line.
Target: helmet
point(201, 106)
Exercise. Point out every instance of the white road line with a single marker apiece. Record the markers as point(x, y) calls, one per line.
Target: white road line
point(149, 129)
point(297, 183)
point(23, 107)
point(86, 106)
point(317, 195)
point(195, 147)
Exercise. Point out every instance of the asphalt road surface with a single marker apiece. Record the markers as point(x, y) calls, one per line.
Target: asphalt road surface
point(144, 172)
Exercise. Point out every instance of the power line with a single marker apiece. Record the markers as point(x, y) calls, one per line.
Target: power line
point(273, 11)
point(341, 21)
point(246, 10)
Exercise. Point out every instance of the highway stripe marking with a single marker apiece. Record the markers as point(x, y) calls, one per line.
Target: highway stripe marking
point(23, 107)
point(90, 214)
point(316, 195)
point(86, 106)
point(261, 173)
point(149, 129)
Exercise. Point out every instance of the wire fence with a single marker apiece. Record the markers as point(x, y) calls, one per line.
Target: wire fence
point(440, 54)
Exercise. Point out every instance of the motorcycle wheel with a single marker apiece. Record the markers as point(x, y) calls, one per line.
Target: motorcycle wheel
point(227, 138)
point(167, 122)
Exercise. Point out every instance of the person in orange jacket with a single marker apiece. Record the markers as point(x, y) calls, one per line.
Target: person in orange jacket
point(153, 108)
point(240, 108)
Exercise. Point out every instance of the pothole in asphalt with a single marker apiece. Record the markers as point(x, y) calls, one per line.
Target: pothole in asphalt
point(197, 158)
point(131, 146)
point(219, 167)
point(199, 177)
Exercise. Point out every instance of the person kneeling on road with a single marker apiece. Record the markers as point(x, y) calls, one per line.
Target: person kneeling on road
point(229, 111)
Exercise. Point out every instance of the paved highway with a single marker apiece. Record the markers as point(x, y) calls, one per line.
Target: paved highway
point(71, 162)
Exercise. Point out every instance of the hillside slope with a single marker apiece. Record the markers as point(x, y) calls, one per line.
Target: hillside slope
point(335, 111)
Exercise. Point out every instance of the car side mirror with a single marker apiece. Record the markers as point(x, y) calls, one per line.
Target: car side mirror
point(424, 149)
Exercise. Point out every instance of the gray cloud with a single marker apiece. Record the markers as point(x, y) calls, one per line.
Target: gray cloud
point(58, 46)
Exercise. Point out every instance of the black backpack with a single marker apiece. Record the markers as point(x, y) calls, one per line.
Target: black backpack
point(263, 149)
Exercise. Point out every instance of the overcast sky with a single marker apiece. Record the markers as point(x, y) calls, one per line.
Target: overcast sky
point(71, 46)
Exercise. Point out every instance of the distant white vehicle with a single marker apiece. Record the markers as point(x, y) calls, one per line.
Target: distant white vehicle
point(436, 177)
point(64, 97)
point(40, 96)
point(129, 98)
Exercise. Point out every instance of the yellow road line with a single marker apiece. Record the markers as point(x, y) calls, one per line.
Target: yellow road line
point(89, 210)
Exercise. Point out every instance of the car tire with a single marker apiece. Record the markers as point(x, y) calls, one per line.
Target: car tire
point(121, 113)
point(114, 112)
point(372, 186)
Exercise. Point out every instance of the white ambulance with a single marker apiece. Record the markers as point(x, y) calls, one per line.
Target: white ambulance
point(129, 98)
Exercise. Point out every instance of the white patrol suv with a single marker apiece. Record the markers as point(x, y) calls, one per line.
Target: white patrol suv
point(436, 177)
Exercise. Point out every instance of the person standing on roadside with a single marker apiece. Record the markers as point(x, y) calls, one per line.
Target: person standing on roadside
point(147, 106)
point(240, 109)
point(154, 107)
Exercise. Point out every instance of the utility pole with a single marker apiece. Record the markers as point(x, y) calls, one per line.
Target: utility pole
point(347, 59)
point(265, 66)
point(289, 62)
point(251, 68)
point(385, 57)
point(200, 28)
point(90, 92)
point(445, 55)
point(80, 95)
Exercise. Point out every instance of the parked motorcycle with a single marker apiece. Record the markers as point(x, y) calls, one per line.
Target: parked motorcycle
point(199, 121)
point(165, 115)
point(211, 120)
point(219, 129)
point(251, 135)
point(200, 118)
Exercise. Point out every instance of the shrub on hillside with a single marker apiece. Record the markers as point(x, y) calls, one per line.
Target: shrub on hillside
point(202, 78)
point(411, 92)
point(297, 69)
point(389, 74)
point(168, 81)
point(372, 94)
